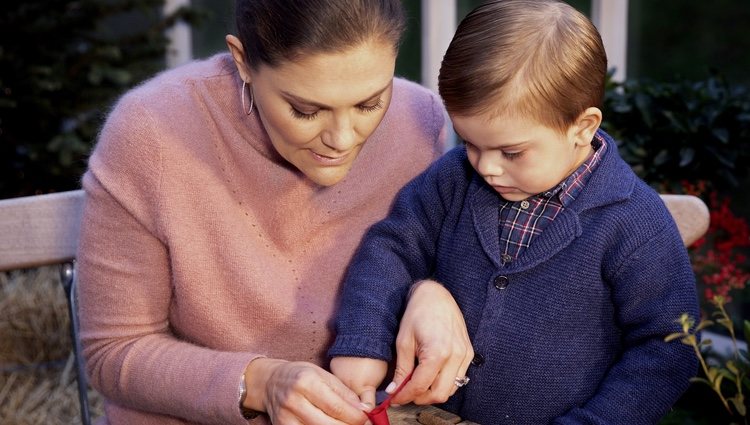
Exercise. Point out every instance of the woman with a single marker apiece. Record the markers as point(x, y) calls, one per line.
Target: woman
point(224, 201)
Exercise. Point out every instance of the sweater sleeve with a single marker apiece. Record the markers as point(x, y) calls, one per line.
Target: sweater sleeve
point(394, 253)
point(133, 357)
point(651, 289)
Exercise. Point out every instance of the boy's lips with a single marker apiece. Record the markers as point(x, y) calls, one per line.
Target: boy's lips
point(504, 189)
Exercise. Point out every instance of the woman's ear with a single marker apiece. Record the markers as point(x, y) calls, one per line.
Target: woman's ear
point(586, 125)
point(238, 54)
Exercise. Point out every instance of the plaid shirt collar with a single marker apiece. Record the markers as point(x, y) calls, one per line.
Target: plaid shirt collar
point(520, 222)
point(568, 189)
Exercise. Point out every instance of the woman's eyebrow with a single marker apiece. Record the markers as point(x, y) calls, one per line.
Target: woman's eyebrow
point(301, 100)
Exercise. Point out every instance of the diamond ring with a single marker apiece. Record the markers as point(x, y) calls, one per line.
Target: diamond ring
point(460, 381)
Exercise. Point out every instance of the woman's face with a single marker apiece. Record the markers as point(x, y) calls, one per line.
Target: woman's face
point(319, 110)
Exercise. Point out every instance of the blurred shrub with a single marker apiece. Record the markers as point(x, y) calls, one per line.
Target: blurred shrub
point(62, 64)
point(682, 131)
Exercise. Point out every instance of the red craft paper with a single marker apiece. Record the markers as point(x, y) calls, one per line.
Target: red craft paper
point(379, 415)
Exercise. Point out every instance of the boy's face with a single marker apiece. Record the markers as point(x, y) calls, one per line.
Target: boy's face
point(520, 157)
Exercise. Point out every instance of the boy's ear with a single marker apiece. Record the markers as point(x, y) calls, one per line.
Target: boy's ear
point(238, 54)
point(586, 125)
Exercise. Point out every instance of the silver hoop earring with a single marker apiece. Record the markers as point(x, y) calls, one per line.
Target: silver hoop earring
point(249, 110)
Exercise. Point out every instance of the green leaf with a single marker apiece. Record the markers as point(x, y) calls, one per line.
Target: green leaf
point(739, 404)
point(717, 383)
point(704, 324)
point(675, 122)
point(726, 323)
point(719, 156)
point(689, 340)
point(686, 156)
point(722, 134)
point(661, 158)
point(643, 103)
point(712, 373)
point(672, 337)
point(746, 327)
point(118, 76)
point(724, 373)
point(7, 103)
point(702, 381)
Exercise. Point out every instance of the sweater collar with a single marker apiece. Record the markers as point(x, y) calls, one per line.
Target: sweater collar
point(611, 182)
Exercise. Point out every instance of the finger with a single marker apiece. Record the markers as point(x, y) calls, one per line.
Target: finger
point(422, 378)
point(309, 414)
point(468, 358)
point(441, 389)
point(342, 391)
point(405, 355)
point(286, 418)
point(464, 362)
point(337, 401)
point(457, 366)
point(305, 410)
point(367, 399)
point(405, 359)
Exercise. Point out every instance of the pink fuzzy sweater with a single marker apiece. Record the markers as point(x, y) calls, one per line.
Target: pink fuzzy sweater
point(201, 248)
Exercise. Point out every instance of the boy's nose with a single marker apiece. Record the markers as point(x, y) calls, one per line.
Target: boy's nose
point(487, 167)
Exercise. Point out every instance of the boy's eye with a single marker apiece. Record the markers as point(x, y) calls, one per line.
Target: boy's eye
point(512, 155)
point(296, 113)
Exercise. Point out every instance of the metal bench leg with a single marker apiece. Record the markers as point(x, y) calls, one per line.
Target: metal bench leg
point(68, 278)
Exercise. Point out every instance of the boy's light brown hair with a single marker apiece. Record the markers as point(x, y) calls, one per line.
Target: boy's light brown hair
point(540, 59)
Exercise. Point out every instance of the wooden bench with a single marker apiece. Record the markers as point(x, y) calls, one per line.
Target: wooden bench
point(44, 229)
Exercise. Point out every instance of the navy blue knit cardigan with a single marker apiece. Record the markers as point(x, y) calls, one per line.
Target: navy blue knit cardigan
point(572, 332)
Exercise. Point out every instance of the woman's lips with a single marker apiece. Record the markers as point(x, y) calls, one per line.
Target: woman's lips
point(330, 160)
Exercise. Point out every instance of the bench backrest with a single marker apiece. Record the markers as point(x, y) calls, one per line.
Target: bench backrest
point(39, 230)
point(43, 229)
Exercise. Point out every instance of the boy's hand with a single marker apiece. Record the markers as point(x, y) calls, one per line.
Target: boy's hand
point(362, 375)
point(434, 333)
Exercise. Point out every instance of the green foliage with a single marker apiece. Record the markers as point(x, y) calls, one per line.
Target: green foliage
point(728, 378)
point(62, 64)
point(681, 131)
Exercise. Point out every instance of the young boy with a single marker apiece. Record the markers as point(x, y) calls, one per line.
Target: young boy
point(569, 270)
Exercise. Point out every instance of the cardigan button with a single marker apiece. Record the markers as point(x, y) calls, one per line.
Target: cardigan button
point(478, 360)
point(501, 282)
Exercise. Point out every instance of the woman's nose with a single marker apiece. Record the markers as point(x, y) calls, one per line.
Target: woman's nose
point(341, 135)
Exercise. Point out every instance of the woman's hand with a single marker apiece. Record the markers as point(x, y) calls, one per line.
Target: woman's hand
point(362, 375)
point(295, 393)
point(434, 333)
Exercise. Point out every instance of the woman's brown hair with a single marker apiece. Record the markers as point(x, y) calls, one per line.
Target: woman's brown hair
point(275, 31)
point(536, 58)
